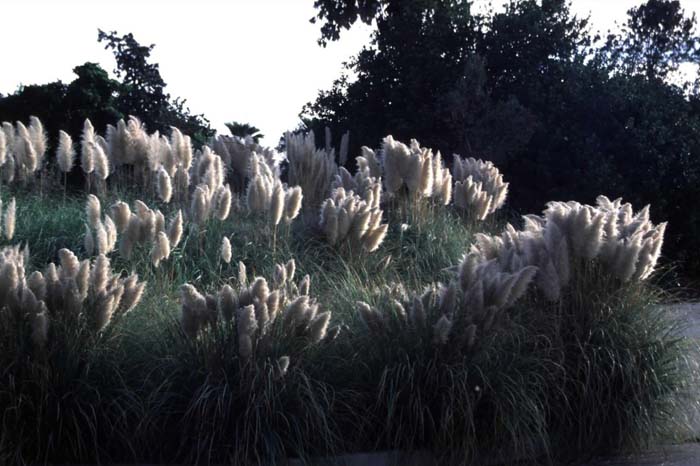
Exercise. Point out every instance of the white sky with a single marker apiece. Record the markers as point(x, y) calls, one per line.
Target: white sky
point(254, 61)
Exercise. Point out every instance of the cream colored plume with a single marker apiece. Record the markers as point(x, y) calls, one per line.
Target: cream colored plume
point(65, 154)
point(87, 151)
point(39, 139)
point(164, 185)
point(93, 210)
point(226, 250)
point(9, 219)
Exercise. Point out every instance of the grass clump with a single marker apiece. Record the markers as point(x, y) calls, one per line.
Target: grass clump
point(451, 333)
point(233, 382)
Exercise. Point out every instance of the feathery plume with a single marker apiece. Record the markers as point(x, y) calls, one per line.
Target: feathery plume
point(223, 202)
point(87, 154)
point(121, 214)
point(194, 308)
point(100, 162)
point(277, 204)
point(65, 154)
point(319, 326)
point(175, 229)
point(133, 292)
point(9, 220)
point(93, 210)
point(165, 187)
point(227, 302)
point(226, 250)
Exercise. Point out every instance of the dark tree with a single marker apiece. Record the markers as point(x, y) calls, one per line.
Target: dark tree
point(243, 130)
point(655, 40)
point(143, 89)
point(420, 78)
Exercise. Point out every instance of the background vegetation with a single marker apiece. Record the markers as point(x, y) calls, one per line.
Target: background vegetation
point(565, 113)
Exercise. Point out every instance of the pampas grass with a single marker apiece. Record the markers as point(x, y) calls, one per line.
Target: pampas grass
point(472, 345)
point(344, 216)
point(310, 168)
point(479, 186)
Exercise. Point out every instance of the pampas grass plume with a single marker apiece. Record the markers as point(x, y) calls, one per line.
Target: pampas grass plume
point(305, 285)
point(374, 238)
point(9, 220)
point(282, 366)
point(87, 155)
point(227, 302)
point(161, 248)
point(199, 206)
point(69, 263)
point(165, 187)
point(260, 290)
point(133, 292)
point(38, 137)
point(242, 275)
point(101, 162)
point(9, 279)
point(295, 310)
point(93, 210)
point(319, 326)
point(37, 284)
point(100, 273)
point(223, 202)
point(292, 203)
point(65, 154)
point(194, 307)
point(82, 278)
point(175, 229)
point(160, 221)
point(290, 269)
point(277, 204)
point(279, 276)
point(3, 148)
point(121, 215)
point(226, 250)
point(247, 325)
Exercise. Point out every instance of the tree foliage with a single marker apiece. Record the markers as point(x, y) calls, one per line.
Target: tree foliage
point(243, 130)
point(654, 41)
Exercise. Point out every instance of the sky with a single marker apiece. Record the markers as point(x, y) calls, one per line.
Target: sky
point(254, 61)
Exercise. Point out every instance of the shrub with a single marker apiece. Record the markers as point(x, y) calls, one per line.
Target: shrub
point(61, 396)
point(235, 385)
